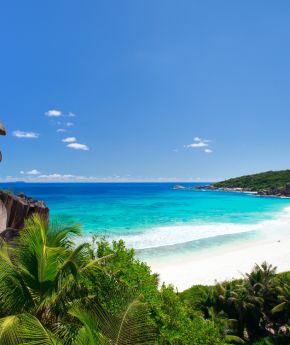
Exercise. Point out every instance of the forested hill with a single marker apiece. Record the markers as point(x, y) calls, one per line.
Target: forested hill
point(263, 181)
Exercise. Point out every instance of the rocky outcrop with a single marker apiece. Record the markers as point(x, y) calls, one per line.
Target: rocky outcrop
point(277, 192)
point(2, 132)
point(2, 129)
point(287, 189)
point(3, 217)
point(15, 209)
point(179, 187)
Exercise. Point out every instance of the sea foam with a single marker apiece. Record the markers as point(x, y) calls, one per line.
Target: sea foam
point(179, 234)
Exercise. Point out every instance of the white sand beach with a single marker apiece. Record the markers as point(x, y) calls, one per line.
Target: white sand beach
point(231, 260)
point(219, 265)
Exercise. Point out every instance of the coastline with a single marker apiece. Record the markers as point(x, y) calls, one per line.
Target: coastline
point(229, 261)
point(273, 193)
point(256, 193)
point(217, 266)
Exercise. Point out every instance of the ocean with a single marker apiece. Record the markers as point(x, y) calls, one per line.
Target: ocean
point(155, 219)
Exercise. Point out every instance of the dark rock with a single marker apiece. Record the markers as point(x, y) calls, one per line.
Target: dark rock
point(20, 208)
point(209, 187)
point(3, 217)
point(179, 187)
point(9, 234)
point(2, 129)
point(287, 189)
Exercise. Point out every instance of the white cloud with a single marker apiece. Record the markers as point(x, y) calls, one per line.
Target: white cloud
point(26, 135)
point(70, 114)
point(31, 172)
point(68, 177)
point(69, 124)
point(208, 151)
point(69, 140)
point(61, 130)
point(56, 177)
point(198, 142)
point(53, 113)
point(77, 146)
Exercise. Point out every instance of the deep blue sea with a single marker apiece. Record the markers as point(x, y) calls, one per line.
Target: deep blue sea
point(152, 217)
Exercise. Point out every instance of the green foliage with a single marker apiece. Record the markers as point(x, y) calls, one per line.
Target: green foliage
point(248, 309)
point(258, 182)
point(55, 291)
point(178, 325)
point(7, 191)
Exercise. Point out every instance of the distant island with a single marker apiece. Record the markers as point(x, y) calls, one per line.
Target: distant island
point(269, 183)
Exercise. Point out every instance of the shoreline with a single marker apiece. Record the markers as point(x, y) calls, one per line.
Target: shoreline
point(229, 260)
point(220, 265)
point(265, 193)
point(212, 188)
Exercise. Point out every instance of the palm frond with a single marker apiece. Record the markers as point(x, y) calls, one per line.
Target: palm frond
point(14, 295)
point(279, 308)
point(24, 329)
point(233, 339)
point(130, 327)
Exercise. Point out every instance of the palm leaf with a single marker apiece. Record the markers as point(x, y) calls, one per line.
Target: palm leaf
point(278, 308)
point(130, 327)
point(234, 339)
point(24, 329)
point(14, 295)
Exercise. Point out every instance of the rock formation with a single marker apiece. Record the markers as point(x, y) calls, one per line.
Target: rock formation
point(2, 129)
point(3, 217)
point(2, 132)
point(15, 209)
point(287, 189)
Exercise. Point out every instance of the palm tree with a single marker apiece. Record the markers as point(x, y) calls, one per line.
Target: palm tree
point(283, 308)
point(47, 292)
point(261, 283)
point(130, 326)
point(40, 271)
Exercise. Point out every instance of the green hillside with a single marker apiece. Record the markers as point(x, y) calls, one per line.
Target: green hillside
point(257, 182)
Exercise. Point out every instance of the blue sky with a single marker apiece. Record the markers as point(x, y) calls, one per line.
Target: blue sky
point(153, 90)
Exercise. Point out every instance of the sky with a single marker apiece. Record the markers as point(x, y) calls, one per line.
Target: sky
point(144, 90)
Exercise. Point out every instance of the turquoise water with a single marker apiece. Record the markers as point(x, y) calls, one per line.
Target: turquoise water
point(153, 217)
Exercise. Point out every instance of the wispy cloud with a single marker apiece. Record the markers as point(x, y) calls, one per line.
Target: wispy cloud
point(61, 130)
point(31, 172)
point(69, 177)
point(69, 124)
point(77, 146)
point(199, 143)
point(70, 114)
point(25, 135)
point(69, 140)
point(53, 113)
point(196, 145)
point(56, 177)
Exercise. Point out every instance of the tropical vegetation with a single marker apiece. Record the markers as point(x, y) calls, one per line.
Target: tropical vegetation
point(257, 182)
point(56, 289)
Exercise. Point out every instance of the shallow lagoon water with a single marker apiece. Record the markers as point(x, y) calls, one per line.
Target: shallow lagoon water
point(155, 219)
